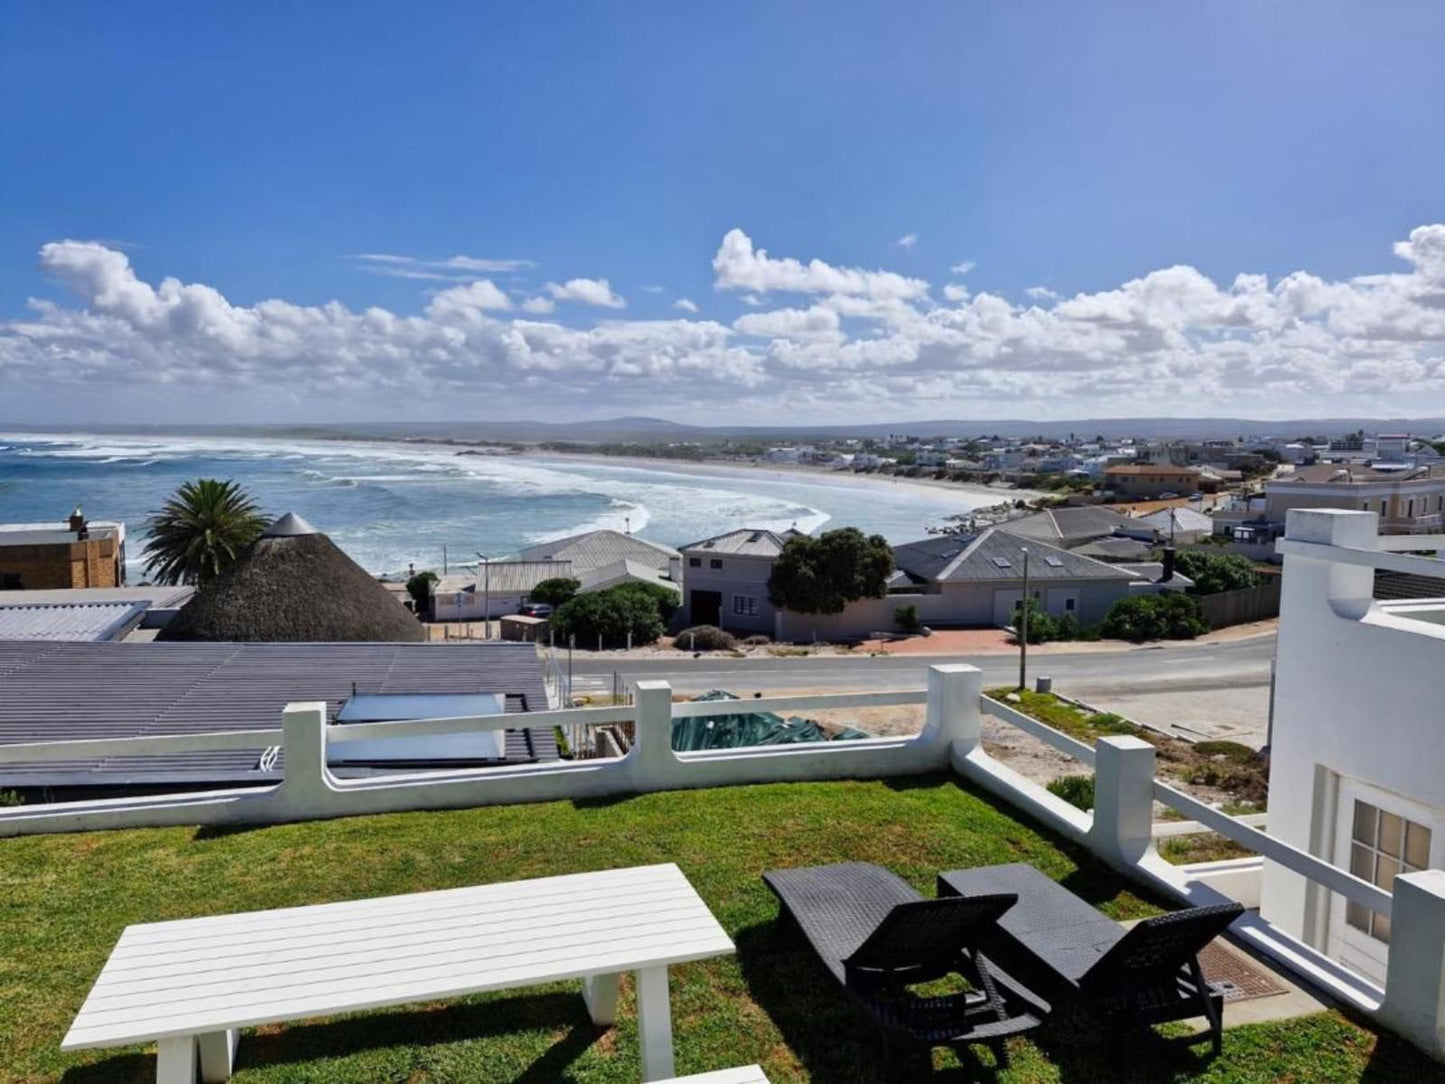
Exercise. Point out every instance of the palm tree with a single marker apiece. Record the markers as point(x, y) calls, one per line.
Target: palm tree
point(200, 531)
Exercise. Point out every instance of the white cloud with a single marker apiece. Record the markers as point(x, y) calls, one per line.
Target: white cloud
point(741, 267)
point(652, 288)
point(685, 304)
point(908, 240)
point(1251, 345)
point(451, 269)
point(1041, 293)
point(963, 267)
point(587, 291)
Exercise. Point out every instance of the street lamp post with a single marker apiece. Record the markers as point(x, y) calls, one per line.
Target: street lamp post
point(1024, 626)
point(486, 597)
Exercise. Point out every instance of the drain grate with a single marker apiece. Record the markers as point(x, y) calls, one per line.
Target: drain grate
point(1237, 977)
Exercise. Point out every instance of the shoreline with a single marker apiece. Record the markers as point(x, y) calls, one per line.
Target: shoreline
point(785, 471)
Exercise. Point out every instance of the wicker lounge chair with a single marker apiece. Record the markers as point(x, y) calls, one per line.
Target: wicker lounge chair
point(1055, 941)
point(878, 937)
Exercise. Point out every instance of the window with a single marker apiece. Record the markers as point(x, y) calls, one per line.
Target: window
point(1053, 562)
point(1070, 605)
point(1001, 562)
point(745, 606)
point(10, 581)
point(1365, 505)
point(1410, 509)
point(714, 562)
point(1383, 844)
point(694, 562)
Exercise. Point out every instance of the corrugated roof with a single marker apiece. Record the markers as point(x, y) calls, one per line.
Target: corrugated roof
point(995, 554)
point(746, 542)
point(625, 572)
point(1184, 519)
point(84, 621)
point(159, 597)
point(597, 549)
point(53, 692)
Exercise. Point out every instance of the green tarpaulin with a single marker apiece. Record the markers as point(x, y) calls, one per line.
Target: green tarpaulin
point(747, 728)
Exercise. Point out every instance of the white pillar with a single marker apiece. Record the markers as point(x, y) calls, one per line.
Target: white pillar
point(1122, 832)
point(1415, 978)
point(176, 1060)
point(303, 728)
point(953, 705)
point(653, 764)
point(217, 1051)
point(1308, 581)
point(654, 1023)
point(600, 994)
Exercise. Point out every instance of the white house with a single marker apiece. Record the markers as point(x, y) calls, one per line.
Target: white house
point(1357, 774)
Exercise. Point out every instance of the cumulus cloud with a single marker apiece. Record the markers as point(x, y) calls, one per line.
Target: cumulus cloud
point(1299, 343)
point(741, 267)
point(963, 267)
point(685, 304)
point(451, 269)
point(908, 240)
point(587, 291)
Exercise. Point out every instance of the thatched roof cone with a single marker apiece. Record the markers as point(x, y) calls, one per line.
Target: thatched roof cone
point(294, 584)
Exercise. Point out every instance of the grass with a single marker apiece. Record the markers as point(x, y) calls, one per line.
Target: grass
point(67, 898)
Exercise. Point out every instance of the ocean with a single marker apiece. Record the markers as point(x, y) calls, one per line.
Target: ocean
point(392, 505)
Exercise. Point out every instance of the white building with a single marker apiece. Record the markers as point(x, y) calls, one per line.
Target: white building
point(1357, 772)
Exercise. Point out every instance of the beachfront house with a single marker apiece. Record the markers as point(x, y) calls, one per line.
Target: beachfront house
point(72, 553)
point(605, 558)
point(726, 578)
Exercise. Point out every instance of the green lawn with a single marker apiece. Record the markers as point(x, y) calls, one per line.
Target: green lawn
point(65, 899)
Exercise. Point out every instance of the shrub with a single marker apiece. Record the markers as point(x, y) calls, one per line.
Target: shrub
point(1077, 790)
point(556, 591)
point(822, 575)
point(906, 617)
point(705, 638)
point(10, 797)
point(1168, 616)
point(1043, 627)
point(609, 617)
point(1215, 572)
point(663, 599)
point(419, 587)
point(757, 640)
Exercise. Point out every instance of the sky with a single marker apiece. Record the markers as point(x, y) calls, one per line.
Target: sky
point(740, 213)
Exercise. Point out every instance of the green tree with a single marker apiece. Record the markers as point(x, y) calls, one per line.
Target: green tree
point(665, 599)
point(556, 591)
point(822, 575)
point(419, 587)
point(608, 617)
point(200, 531)
point(1167, 616)
point(1215, 572)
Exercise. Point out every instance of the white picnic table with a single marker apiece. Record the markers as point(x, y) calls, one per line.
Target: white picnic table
point(188, 985)
point(748, 1074)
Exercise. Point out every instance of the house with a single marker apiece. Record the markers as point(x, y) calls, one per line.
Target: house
point(590, 552)
point(1069, 527)
point(1410, 501)
point(1147, 481)
point(496, 588)
point(131, 689)
point(973, 580)
point(91, 614)
point(726, 578)
point(293, 583)
point(1179, 524)
point(74, 553)
point(1356, 760)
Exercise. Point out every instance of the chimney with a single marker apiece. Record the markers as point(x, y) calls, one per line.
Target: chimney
point(1168, 573)
point(674, 569)
point(78, 525)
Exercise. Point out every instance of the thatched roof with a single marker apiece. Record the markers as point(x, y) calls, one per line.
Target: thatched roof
point(294, 584)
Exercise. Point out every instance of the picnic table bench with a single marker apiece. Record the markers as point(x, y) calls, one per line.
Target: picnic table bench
point(188, 985)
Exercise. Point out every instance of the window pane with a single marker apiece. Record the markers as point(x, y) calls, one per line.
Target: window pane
point(1362, 862)
point(1382, 929)
point(1365, 823)
point(1358, 916)
point(1392, 834)
point(1417, 846)
point(1385, 872)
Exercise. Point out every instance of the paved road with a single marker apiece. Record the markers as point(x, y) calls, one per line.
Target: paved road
point(1182, 668)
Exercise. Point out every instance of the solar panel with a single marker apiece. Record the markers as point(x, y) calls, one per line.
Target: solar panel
point(1002, 562)
point(1053, 562)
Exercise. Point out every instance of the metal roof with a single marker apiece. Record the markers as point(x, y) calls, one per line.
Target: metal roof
point(518, 577)
point(746, 542)
point(289, 526)
point(996, 555)
point(52, 692)
point(1070, 525)
point(90, 621)
point(157, 596)
point(598, 549)
point(626, 572)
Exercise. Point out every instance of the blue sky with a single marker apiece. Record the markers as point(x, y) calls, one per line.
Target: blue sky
point(253, 151)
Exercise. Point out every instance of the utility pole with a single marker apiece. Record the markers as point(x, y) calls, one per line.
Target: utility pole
point(1024, 627)
point(486, 596)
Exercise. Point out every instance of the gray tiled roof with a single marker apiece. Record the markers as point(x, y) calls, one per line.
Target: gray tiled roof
point(597, 549)
point(1069, 525)
point(995, 554)
point(71, 621)
point(51, 692)
point(745, 542)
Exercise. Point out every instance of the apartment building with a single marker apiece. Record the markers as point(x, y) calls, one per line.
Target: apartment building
point(1407, 502)
point(73, 553)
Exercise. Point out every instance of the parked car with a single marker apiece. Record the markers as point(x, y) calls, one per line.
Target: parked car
point(536, 609)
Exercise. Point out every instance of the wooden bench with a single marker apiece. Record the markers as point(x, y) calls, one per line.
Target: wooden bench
point(188, 985)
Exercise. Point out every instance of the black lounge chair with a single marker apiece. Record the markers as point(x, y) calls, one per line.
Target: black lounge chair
point(878, 937)
point(1146, 975)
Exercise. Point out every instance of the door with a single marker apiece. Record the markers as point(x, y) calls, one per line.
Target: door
point(1377, 835)
point(706, 607)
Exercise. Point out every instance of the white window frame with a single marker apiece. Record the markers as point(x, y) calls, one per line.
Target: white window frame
point(745, 605)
